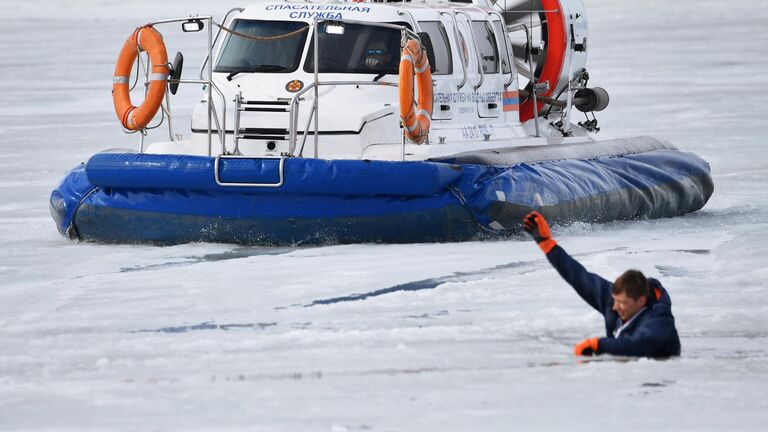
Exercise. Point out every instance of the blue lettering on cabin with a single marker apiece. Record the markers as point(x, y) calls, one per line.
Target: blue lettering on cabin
point(328, 8)
point(326, 15)
point(463, 97)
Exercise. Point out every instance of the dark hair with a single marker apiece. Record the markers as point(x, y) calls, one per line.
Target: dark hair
point(633, 283)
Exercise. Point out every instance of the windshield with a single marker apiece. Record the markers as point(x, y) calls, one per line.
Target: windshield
point(240, 54)
point(355, 48)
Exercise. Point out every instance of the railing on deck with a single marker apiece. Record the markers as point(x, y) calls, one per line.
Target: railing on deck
point(294, 149)
point(209, 85)
point(314, 86)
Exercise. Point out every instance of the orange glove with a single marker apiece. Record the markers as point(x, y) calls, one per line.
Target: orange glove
point(587, 347)
point(535, 225)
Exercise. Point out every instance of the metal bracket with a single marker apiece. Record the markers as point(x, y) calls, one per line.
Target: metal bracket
point(281, 171)
point(590, 125)
point(541, 87)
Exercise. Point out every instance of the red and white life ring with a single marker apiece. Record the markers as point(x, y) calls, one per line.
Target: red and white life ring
point(142, 39)
point(557, 44)
point(416, 118)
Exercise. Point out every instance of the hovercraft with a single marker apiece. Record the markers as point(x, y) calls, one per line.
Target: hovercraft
point(346, 122)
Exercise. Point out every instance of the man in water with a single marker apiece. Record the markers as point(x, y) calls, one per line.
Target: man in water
point(637, 311)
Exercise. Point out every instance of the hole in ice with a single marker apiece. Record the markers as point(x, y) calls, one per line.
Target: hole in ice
point(520, 267)
point(663, 383)
point(213, 257)
point(207, 326)
point(423, 284)
point(292, 376)
point(672, 271)
point(427, 315)
point(695, 251)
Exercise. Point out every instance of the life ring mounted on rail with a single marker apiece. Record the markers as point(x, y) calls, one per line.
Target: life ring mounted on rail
point(147, 39)
point(416, 118)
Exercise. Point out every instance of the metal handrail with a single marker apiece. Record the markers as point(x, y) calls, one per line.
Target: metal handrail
point(416, 26)
point(312, 115)
point(477, 51)
point(281, 171)
point(236, 126)
point(293, 114)
point(216, 39)
point(458, 44)
point(210, 86)
point(315, 103)
point(146, 90)
point(221, 130)
point(533, 82)
point(293, 118)
point(314, 86)
point(507, 48)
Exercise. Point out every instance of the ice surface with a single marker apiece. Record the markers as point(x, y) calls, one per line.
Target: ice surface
point(426, 337)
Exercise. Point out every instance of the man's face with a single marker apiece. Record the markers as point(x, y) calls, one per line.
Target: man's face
point(626, 307)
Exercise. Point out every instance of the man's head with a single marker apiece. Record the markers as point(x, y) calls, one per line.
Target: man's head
point(630, 294)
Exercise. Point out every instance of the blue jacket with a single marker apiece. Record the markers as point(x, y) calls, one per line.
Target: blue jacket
point(651, 334)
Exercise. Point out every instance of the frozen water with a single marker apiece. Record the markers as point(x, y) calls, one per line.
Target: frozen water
point(424, 337)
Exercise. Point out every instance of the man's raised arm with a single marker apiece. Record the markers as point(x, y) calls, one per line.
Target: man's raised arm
point(592, 288)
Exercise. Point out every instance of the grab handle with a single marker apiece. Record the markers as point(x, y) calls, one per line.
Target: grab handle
point(281, 171)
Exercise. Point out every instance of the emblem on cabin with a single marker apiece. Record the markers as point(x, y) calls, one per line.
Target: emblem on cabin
point(294, 86)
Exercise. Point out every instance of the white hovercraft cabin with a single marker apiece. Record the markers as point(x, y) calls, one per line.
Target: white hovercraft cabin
point(266, 91)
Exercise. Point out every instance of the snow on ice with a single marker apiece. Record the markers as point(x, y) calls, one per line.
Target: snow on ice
point(425, 337)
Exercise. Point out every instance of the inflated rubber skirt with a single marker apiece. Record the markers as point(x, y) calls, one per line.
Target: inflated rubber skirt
point(168, 199)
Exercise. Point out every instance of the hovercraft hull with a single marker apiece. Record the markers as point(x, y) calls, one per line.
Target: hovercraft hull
point(168, 199)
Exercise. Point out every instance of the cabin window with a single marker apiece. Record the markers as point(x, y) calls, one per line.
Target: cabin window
point(463, 52)
point(440, 45)
point(355, 48)
point(486, 44)
point(501, 35)
point(240, 54)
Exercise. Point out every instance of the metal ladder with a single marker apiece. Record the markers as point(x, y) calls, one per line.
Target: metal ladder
point(252, 133)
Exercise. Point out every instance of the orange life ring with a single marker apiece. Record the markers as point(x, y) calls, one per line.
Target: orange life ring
point(143, 39)
point(416, 118)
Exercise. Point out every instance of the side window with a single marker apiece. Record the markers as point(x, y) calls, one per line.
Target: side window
point(486, 42)
point(500, 33)
point(441, 46)
point(463, 49)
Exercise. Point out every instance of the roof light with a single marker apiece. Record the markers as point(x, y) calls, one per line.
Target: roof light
point(336, 29)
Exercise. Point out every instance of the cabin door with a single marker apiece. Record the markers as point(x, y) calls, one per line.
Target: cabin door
point(491, 81)
point(444, 71)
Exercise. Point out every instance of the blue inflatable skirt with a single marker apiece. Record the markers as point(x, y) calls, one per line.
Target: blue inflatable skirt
point(169, 199)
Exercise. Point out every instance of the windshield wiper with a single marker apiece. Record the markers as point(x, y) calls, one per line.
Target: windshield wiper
point(259, 68)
